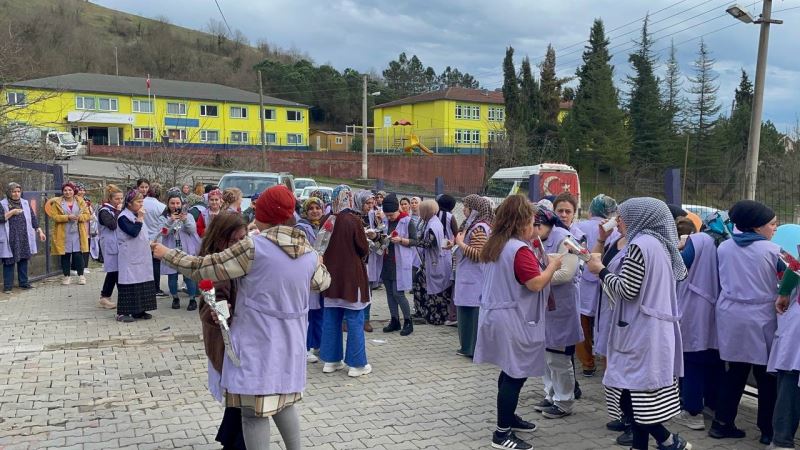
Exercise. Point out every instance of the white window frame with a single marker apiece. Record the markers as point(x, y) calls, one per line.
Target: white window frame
point(204, 136)
point(296, 111)
point(244, 137)
point(242, 111)
point(80, 102)
point(113, 103)
point(183, 109)
point(297, 135)
point(136, 106)
point(496, 136)
point(267, 135)
point(497, 114)
point(467, 112)
point(137, 134)
point(182, 134)
point(339, 140)
point(274, 114)
point(204, 110)
point(467, 136)
point(16, 101)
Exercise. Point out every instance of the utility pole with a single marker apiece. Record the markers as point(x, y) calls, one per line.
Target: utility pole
point(264, 164)
point(364, 171)
point(116, 60)
point(754, 140)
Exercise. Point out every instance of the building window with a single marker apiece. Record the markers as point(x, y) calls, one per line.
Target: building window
point(209, 111)
point(142, 106)
point(177, 134)
point(468, 137)
point(107, 104)
point(339, 140)
point(269, 138)
point(294, 116)
point(496, 136)
point(468, 112)
point(269, 114)
point(209, 135)
point(239, 137)
point(294, 139)
point(143, 134)
point(84, 102)
point(15, 98)
point(238, 112)
point(497, 114)
point(176, 109)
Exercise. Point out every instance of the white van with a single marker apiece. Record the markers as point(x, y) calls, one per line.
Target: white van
point(254, 183)
point(554, 178)
point(60, 144)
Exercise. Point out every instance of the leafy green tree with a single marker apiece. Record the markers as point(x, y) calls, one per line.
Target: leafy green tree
point(529, 100)
point(511, 91)
point(549, 92)
point(452, 77)
point(673, 100)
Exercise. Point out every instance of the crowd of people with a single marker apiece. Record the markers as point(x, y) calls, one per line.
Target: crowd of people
point(677, 316)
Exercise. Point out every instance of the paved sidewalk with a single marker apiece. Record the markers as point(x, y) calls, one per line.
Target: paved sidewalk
point(72, 377)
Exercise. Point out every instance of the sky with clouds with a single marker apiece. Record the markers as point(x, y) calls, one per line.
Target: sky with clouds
point(472, 35)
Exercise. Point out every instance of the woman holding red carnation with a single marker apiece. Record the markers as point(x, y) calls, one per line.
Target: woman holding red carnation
point(397, 261)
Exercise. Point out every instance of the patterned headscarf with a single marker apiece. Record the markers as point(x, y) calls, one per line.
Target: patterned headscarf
point(481, 211)
point(546, 216)
point(602, 206)
point(312, 201)
point(360, 198)
point(131, 195)
point(214, 192)
point(10, 187)
point(650, 216)
point(342, 199)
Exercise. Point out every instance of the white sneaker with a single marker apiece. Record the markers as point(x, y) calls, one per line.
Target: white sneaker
point(86, 272)
point(311, 357)
point(106, 303)
point(358, 371)
point(66, 281)
point(450, 323)
point(73, 272)
point(689, 421)
point(332, 367)
point(774, 447)
point(81, 279)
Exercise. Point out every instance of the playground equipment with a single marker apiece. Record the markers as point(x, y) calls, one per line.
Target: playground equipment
point(413, 140)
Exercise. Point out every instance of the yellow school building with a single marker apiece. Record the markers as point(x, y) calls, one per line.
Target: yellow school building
point(137, 111)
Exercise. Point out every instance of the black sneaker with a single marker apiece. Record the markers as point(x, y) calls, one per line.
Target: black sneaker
point(176, 303)
point(554, 412)
point(765, 439)
point(7, 291)
point(522, 425)
point(678, 443)
point(160, 293)
point(625, 439)
point(616, 425)
point(722, 431)
point(142, 316)
point(192, 305)
point(542, 405)
point(126, 318)
point(392, 326)
point(509, 440)
point(408, 327)
point(589, 373)
point(578, 392)
point(26, 286)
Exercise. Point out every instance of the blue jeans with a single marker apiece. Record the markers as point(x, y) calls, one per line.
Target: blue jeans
point(332, 336)
point(22, 274)
point(315, 317)
point(172, 282)
point(367, 312)
point(702, 375)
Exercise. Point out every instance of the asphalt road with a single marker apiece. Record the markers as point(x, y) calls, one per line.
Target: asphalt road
point(103, 167)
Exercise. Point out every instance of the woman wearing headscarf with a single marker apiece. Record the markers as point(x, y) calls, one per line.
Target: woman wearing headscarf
point(601, 208)
point(70, 238)
point(374, 220)
point(471, 237)
point(511, 326)
point(449, 223)
point(206, 215)
point(91, 225)
point(310, 222)
point(136, 292)
point(107, 216)
point(784, 361)
point(644, 347)
point(437, 265)
point(19, 229)
point(397, 265)
point(563, 330)
point(348, 294)
point(746, 317)
point(414, 210)
point(179, 232)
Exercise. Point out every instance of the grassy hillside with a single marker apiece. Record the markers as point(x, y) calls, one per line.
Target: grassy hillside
point(51, 37)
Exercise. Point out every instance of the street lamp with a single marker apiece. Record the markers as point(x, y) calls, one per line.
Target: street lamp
point(754, 139)
point(364, 171)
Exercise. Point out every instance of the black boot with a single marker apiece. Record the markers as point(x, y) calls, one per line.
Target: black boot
point(176, 304)
point(192, 305)
point(408, 327)
point(394, 325)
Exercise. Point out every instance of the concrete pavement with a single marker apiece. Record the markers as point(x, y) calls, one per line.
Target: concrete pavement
point(72, 377)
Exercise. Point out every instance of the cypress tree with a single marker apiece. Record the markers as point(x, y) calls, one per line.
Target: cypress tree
point(511, 91)
point(703, 108)
point(550, 91)
point(529, 95)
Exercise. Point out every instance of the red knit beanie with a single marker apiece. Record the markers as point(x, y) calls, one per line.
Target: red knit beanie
point(275, 206)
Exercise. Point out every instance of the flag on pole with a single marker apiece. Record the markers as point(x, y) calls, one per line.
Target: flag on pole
point(148, 84)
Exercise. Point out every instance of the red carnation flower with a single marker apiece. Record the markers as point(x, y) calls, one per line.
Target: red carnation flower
point(394, 233)
point(164, 231)
point(205, 285)
point(328, 226)
point(536, 244)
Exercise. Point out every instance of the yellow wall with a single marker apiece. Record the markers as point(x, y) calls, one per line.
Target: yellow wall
point(435, 124)
point(49, 109)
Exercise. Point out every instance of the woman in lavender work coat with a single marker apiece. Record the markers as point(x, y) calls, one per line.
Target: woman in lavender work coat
point(437, 264)
point(511, 325)
point(746, 317)
point(136, 290)
point(644, 348)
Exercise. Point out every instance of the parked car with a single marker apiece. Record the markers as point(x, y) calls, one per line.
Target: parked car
point(254, 182)
point(302, 183)
point(327, 193)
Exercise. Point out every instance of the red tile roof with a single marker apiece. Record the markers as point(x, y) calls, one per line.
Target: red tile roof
point(451, 93)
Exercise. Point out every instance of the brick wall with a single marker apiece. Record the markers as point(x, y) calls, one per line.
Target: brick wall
point(462, 174)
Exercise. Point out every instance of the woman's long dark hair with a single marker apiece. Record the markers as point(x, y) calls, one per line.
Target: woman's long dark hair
point(220, 231)
point(511, 219)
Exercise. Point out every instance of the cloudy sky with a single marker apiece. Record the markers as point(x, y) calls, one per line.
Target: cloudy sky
point(472, 35)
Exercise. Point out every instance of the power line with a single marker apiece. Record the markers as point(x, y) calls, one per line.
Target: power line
point(223, 17)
